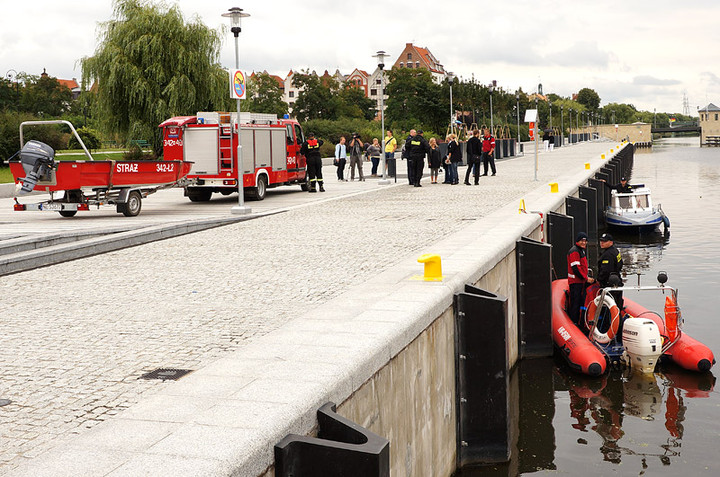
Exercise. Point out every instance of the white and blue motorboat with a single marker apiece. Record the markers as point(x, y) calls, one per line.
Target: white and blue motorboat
point(634, 211)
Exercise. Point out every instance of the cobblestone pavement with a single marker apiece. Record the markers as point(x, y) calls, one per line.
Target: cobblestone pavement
point(77, 336)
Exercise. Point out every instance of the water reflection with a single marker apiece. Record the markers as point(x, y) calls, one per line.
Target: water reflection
point(553, 407)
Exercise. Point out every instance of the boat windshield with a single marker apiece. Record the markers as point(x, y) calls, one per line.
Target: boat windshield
point(625, 202)
point(642, 201)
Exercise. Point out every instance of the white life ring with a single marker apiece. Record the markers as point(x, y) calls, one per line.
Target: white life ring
point(608, 303)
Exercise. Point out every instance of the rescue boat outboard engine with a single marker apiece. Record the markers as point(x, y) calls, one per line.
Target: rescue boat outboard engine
point(643, 345)
point(38, 161)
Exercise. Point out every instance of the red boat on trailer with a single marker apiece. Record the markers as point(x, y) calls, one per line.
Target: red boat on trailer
point(646, 336)
point(78, 185)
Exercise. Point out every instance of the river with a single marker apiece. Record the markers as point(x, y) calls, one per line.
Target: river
point(623, 424)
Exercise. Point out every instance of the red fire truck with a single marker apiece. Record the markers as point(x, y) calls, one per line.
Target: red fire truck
point(270, 152)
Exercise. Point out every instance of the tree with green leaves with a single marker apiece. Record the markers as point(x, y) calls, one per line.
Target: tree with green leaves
point(589, 98)
point(354, 104)
point(151, 65)
point(265, 95)
point(44, 96)
point(414, 100)
point(317, 98)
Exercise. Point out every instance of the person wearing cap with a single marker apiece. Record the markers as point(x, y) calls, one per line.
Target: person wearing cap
point(623, 187)
point(610, 265)
point(417, 147)
point(311, 150)
point(578, 277)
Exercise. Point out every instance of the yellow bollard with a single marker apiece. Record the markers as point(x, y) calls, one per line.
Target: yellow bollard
point(587, 165)
point(602, 156)
point(553, 187)
point(611, 151)
point(433, 267)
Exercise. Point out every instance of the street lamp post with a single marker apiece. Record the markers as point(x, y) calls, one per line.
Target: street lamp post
point(236, 15)
point(451, 78)
point(517, 101)
point(570, 111)
point(550, 107)
point(380, 55)
point(562, 126)
point(577, 123)
point(492, 124)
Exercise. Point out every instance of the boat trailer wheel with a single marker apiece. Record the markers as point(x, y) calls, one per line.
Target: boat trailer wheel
point(132, 207)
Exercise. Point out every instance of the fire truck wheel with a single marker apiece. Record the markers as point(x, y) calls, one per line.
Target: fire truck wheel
point(132, 207)
point(258, 192)
point(199, 194)
point(68, 213)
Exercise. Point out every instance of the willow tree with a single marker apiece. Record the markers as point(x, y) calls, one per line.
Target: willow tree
point(150, 65)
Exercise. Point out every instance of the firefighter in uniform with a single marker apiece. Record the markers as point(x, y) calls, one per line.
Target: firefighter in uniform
point(417, 147)
point(610, 265)
point(311, 150)
point(577, 276)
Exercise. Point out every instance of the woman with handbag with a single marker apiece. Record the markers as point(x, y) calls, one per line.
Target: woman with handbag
point(373, 151)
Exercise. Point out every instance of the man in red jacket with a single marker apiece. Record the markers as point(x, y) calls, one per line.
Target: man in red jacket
point(488, 151)
point(577, 276)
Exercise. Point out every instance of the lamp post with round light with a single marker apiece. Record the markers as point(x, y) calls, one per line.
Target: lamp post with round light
point(236, 15)
point(380, 55)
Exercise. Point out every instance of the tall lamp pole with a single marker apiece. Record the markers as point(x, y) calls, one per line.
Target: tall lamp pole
point(562, 125)
point(492, 124)
point(451, 78)
point(236, 15)
point(517, 101)
point(550, 107)
point(380, 55)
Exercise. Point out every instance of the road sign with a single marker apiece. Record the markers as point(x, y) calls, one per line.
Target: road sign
point(238, 84)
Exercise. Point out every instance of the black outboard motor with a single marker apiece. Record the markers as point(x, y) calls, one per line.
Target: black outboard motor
point(38, 160)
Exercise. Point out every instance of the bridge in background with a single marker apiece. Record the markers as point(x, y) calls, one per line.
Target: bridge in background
point(676, 129)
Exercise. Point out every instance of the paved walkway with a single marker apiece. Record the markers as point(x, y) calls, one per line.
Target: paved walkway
point(77, 336)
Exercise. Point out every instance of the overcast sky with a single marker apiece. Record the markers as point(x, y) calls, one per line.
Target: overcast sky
point(645, 52)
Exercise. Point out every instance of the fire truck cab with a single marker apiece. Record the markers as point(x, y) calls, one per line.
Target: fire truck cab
point(270, 150)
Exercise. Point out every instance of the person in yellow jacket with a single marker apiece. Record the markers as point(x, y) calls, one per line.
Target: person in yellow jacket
point(390, 147)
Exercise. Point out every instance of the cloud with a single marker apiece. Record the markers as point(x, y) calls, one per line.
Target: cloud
point(582, 53)
point(646, 80)
point(710, 78)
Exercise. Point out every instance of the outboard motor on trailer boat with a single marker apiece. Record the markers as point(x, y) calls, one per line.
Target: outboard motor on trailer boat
point(38, 160)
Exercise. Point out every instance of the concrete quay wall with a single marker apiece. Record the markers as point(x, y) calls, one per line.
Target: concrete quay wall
point(383, 350)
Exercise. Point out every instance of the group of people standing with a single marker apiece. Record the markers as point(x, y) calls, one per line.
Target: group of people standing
point(356, 150)
point(610, 266)
point(479, 150)
point(416, 149)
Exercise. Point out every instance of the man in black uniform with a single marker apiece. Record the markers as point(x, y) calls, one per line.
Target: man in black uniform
point(610, 264)
point(404, 155)
point(474, 155)
point(623, 187)
point(417, 147)
point(311, 150)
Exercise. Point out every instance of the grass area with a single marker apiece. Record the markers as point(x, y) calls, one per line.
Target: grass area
point(6, 175)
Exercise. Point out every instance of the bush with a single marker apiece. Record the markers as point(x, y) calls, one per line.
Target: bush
point(135, 153)
point(90, 137)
